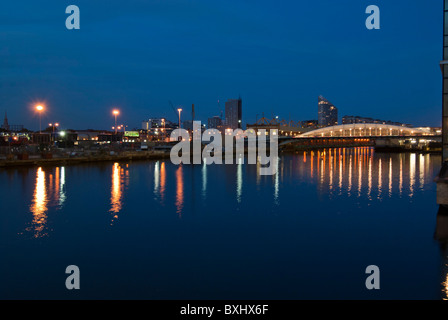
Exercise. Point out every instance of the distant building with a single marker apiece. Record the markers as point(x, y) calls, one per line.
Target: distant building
point(234, 113)
point(327, 113)
point(87, 135)
point(154, 123)
point(309, 123)
point(214, 122)
point(5, 125)
point(41, 138)
point(110, 137)
point(11, 127)
point(358, 119)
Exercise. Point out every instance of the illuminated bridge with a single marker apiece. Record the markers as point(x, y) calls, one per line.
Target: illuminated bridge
point(367, 130)
point(363, 134)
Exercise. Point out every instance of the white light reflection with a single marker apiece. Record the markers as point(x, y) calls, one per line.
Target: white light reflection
point(276, 179)
point(239, 180)
point(62, 195)
point(204, 178)
point(39, 206)
point(412, 158)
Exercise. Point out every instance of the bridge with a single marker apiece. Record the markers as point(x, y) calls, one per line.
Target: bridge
point(361, 135)
point(367, 130)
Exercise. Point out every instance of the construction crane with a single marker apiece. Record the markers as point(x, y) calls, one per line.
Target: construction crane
point(172, 106)
point(219, 108)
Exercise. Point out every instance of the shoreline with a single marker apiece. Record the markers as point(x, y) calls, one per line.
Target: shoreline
point(83, 160)
point(141, 156)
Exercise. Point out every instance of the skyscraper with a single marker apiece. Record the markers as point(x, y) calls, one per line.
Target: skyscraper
point(234, 113)
point(327, 113)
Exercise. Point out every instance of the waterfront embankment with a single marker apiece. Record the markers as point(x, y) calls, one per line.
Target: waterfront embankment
point(125, 156)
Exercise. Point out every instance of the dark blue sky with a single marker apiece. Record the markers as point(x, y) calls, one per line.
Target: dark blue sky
point(278, 55)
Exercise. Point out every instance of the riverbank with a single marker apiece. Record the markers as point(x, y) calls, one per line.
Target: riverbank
point(150, 155)
point(128, 156)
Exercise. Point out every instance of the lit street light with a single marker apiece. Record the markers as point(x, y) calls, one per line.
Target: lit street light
point(116, 113)
point(53, 127)
point(179, 110)
point(40, 109)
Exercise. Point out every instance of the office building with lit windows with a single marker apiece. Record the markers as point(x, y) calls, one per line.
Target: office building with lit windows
point(234, 113)
point(327, 113)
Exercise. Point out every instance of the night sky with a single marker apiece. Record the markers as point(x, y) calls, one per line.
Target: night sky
point(277, 55)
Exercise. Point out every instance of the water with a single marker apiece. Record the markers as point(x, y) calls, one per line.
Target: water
point(154, 230)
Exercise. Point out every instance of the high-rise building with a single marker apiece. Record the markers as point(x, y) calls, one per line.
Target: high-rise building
point(234, 113)
point(327, 113)
point(214, 123)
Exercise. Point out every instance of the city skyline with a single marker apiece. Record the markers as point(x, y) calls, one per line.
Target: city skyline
point(139, 56)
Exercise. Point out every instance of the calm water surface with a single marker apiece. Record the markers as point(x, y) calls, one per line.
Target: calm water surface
point(154, 230)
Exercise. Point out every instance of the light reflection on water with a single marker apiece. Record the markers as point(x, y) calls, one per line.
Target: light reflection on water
point(344, 173)
point(339, 172)
point(44, 197)
point(39, 206)
point(120, 181)
point(358, 169)
point(179, 190)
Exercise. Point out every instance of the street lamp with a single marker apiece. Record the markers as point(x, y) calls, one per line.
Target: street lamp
point(40, 109)
point(115, 113)
point(163, 129)
point(53, 125)
point(179, 110)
